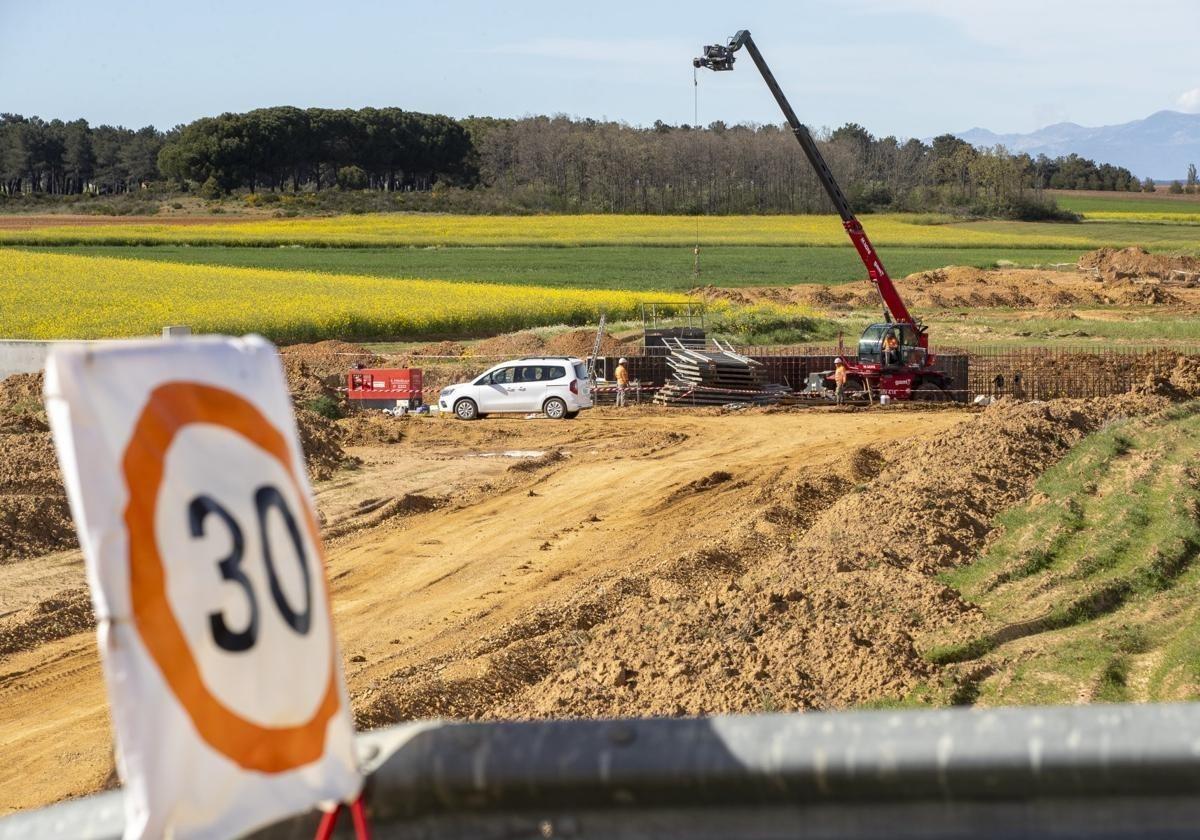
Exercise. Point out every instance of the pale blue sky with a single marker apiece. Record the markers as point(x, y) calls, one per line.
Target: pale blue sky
point(908, 67)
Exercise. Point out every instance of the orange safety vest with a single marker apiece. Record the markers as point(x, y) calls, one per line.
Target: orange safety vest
point(839, 375)
point(622, 376)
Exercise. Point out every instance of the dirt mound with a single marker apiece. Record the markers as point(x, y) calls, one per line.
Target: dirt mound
point(305, 383)
point(700, 485)
point(333, 352)
point(20, 394)
point(68, 612)
point(441, 348)
point(866, 462)
point(1141, 295)
point(371, 428)
point(318, 370)
point(34, 524)
point(951, 275)
point(579, 343)
point(830, 621)
point(374, 512)
point(964, 287)
point(984, 466)
point(511, 344)
point(34, 516)
point(1182, 382)
point(321, 440)
point(525, 465)
point(813, 599)
point(1115, 264)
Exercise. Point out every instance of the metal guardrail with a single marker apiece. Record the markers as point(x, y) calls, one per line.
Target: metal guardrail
point(1089, 771)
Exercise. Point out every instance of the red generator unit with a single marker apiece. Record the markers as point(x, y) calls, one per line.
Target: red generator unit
point(384, 387)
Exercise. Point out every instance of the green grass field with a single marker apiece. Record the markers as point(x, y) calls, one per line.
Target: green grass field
point(1175, 234)
point(637, 268)
point(1119, 203)
point(1131, 207)
point(1091, 590)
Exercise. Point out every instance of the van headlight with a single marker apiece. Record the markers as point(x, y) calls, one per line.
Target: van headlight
point(445, 392)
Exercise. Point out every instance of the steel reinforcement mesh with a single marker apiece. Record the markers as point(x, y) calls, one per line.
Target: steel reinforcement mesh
point(1045, 373)
point(1025, 372)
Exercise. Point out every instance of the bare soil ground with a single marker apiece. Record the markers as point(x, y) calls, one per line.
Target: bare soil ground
point(649, 562)
point(1128, 277)
point(442, 551)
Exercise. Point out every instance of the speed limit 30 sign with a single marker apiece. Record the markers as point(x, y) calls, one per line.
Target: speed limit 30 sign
point(188, 489)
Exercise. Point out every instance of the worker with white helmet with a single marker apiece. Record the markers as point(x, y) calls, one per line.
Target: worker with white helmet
point(839, 378)
point(622, 374)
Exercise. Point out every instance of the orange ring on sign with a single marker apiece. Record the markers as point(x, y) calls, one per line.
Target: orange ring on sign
point(171, 407)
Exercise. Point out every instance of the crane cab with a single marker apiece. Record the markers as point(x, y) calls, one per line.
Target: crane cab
point(909, 353)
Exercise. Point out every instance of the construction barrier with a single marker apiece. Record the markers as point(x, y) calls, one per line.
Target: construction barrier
point(1115, 771)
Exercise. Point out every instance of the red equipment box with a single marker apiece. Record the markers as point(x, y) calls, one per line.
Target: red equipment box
point(385, 385)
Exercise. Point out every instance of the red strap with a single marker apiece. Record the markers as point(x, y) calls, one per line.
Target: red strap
point(358, 814)
point(325, 829)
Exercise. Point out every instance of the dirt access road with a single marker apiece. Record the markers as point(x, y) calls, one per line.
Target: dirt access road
point(439, 540)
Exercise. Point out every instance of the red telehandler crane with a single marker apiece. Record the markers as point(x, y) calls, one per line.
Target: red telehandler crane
point(906, 372)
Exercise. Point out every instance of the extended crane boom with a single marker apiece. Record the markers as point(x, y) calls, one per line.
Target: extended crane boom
point(721, 57)
point(893, 357)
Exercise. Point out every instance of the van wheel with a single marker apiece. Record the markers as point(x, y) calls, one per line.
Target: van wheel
point(555, 409)
point(466, 410)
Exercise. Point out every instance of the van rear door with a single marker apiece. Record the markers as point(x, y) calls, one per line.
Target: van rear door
point(584, 384)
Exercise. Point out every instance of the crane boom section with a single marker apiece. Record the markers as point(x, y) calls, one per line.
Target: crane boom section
point(866, 251)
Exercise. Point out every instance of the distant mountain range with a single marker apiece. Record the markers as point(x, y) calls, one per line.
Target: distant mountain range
point(1161, 146)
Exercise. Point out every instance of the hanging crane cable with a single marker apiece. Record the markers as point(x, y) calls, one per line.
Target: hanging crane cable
point(696, 123)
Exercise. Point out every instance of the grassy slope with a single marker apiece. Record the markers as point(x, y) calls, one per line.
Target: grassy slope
point(627, 267)
point(1092, 591)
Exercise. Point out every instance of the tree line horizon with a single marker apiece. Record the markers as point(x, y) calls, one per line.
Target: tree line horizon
point(537, 163)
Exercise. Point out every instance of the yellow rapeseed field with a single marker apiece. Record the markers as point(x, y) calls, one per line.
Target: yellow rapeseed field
point(47, 296)
point(430, 229)
point(1139, 216)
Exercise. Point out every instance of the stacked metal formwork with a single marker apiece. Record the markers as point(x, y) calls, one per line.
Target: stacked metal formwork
point(714, 377)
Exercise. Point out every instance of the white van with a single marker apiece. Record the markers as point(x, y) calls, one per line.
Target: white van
point(557, 386)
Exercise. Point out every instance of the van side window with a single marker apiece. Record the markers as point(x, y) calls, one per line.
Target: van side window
point(540, 373)
point(504, 376)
